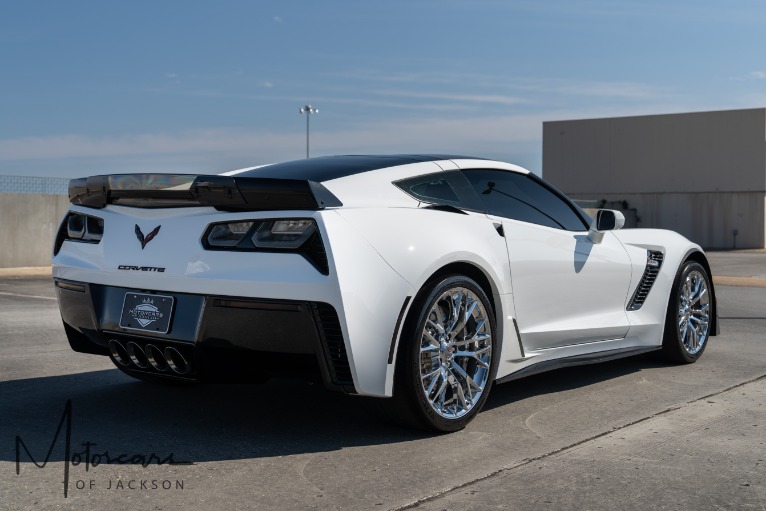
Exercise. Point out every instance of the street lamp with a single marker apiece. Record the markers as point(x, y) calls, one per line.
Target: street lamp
point(308, 110)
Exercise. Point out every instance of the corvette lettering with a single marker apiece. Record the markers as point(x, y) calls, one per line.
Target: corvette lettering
point(140, 268)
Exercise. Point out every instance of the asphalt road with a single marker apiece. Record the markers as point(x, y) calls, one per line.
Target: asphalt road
point(629, 434)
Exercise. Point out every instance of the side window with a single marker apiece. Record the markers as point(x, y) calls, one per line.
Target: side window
point(438, 189)
point(520, 197)
point(445, 188)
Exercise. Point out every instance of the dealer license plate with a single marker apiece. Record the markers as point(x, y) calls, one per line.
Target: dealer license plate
point(147, 312)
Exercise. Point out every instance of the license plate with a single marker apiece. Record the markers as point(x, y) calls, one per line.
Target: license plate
point(147, 312)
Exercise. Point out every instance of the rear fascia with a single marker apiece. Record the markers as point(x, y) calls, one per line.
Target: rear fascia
point(360, 287)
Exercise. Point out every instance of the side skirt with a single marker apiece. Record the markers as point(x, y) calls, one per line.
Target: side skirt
point(591, 358)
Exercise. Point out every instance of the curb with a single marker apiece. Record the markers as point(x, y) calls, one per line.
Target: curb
point(28, 271)
point(739, 281)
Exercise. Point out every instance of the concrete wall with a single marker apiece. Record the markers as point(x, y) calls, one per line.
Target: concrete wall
point(28, 224)
point(694, 152)
point(701, 174)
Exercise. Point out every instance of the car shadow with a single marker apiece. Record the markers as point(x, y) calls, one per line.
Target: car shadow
point(568, 378)
point(199, 423)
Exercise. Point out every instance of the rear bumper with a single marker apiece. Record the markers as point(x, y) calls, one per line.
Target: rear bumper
point(223, 338)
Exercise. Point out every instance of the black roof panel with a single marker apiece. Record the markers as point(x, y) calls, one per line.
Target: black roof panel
point(333, 167)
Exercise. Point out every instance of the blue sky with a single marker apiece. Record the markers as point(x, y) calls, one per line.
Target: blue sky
point(90, 87)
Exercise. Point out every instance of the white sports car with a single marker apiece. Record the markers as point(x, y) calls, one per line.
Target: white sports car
point(423, 279)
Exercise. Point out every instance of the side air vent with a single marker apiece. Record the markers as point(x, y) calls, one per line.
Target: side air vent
point(653, 264)
point(334, 347)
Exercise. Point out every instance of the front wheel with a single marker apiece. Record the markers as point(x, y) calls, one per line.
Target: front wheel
point(687, 326)
point(447, 356)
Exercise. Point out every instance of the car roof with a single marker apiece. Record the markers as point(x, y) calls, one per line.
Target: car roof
point(327, 168)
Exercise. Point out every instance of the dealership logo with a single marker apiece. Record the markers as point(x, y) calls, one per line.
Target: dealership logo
point(145, 313)
point(149, 237)
point(91, 457)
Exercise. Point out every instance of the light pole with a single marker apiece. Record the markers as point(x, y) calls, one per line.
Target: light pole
point(308, 110)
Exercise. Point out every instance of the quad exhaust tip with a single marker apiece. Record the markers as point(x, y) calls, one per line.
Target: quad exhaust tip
point(176, 361)
point(149, 356)
point(119, 353)
point(156, 357)
point(137, 355)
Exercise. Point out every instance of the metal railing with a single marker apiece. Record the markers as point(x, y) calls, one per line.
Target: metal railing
point(33, 184)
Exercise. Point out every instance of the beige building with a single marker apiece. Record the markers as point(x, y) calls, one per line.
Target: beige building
point(701, 174)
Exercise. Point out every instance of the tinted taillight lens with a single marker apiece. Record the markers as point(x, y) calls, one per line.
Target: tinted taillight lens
point(228, 235)
point(75, 226)
point(94, 227)
point(287, 234)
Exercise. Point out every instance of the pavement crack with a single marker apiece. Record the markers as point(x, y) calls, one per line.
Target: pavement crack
point(527, 461)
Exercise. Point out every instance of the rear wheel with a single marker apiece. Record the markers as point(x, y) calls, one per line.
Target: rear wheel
point(690, 309)
point(447, 356)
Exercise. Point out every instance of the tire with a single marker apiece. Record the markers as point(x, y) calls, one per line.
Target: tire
point(439, 357)
point(688, 318)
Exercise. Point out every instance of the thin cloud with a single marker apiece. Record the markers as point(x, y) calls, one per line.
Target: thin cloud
point(752, 75)
point(373, 103)
point(496, 85)
point(634, 90)
point(459, 98)
point(420, 78)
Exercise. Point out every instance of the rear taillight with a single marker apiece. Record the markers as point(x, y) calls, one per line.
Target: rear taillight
point(227, 235)
point(79, 227)
point(287, 234)
point(298, 235)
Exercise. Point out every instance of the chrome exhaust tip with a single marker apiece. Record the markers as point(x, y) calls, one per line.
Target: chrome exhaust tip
point(137, 355)
point(156, 357)
point(176, 361)
point(119, 353)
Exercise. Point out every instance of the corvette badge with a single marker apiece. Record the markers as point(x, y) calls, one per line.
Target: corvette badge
point(149, 237)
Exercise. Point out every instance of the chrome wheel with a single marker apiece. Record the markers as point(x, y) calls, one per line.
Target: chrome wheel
point(693, 312)
point(455, 352)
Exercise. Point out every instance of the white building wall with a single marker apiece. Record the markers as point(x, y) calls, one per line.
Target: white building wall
point(701, 174)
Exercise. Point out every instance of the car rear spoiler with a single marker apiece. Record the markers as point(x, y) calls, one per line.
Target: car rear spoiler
point(225, 193)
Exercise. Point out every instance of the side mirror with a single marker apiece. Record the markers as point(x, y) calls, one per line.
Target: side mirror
point(606, 220)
